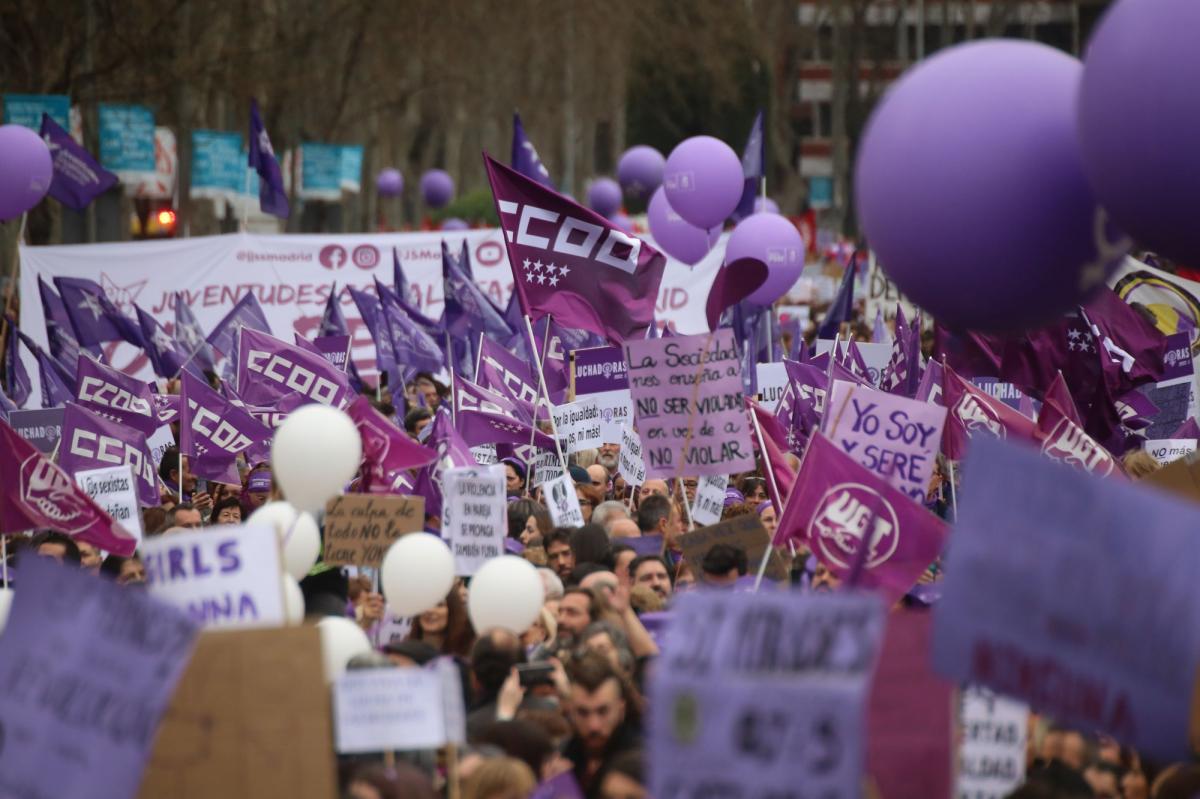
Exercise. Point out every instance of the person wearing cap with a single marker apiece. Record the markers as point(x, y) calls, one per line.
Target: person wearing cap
point(258, 488)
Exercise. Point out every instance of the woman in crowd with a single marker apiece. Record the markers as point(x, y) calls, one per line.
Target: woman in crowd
point(528, 522)
point(227, 511)
point(446, 626)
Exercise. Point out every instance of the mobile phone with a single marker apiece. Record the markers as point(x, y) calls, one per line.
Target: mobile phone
point(531, 674)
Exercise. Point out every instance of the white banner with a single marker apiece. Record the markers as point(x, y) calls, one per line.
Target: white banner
point(631, 464)
point(474, 521)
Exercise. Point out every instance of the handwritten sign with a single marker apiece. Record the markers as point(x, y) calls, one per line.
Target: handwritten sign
point(561, 500)
point(113, 490)
point(991, 755)
point(744, 532)
point(475, 517)
point(86, 669)
point(248, 698)
point(578, 425)
point(688, 404)
point(359, 528)
point(631, 465)
point(763, 695)
point(895, 437)
point(710, 499)
point(1168, 450)
point(1030, 607)
point(377, 710)
point(221, 576)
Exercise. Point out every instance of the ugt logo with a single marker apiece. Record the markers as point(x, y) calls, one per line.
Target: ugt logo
point(1067, 444)
point(976, 417)
point(851, 515)
point(571, 236)
point(47, 491)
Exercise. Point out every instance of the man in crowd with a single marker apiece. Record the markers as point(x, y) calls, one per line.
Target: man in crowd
point(652, 487)
point(578, 608)
point(183, 517)
point(608, 513)
point(659, 516)
point(609, 456)
point(604, 719)
point(559, 555)
point(168, 470)
point(652, 572)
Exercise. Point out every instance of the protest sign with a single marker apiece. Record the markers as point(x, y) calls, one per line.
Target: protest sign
point(893, 436)
point(336, 350)
point(745, 532)
point(377, 710)
point(1075, 594)
point(1174, 394)
point(113, 489)
point(991, 751)
point(88, 667)
point(688, 405)
point(749, 703)
point(578, 425)
point(1169, 450)
point(485, 454)
point(392, 628)
point(601, 374)
point(359, 528)
point(772, 379)
point(249, 720)
point(875, 356)
point(710, 499)
point(224, 576)
point(474, 515)
point(127, 138)
point(559, 497)
point(631, 465)
point(27, 109)
point(41, 427)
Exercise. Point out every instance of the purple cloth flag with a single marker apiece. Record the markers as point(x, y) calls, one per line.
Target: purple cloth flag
point(371, 311)
point(412, 345)
point(7, 406)
point(115, 395)
point(452, 452)
point(470, 396)
point(333, 321)
point(902, 375)
point(90, 441)
point(93, 316)
point(1132, 349)
point(78, 178)
point(213, 431)
point(16, 378)
point(973, 413)
point(525, 159)
point(879, 334)
point(837, 507)
point(557, 364)
point(930, 389)
point(505, 374)
point(270, 369)
point(59, 333)
point(190, 335)
point(571, 262)
point(842, 308)
point(163, 351)
point(1061, 439)
point(246, 313)
point(54, 379)
point(1060, 395)
point(387, 451)
point(399, 281)
point(754, 163)
point(1188, 429)
point(166, 407)
point(468, 312)
point(479, 427)
point(272, 197)
point(35, 493)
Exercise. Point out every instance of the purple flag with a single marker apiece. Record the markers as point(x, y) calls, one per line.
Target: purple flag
point(902, 375)
point(504, 373)
point(190, 336)
point(754, 163)
point(387, 451)
point(930, 389)
point(973, 412)
point(452, 451)
point(412, 345)
point(333, 321)
point(59, 333)
point(468, 312)
point(246, 313)
point(842, 308)
point(161, 348)
point(571, 262)
point(7, 406)
point(556, 363)
point(272, 197)
point(78, 178)
point(1188, 429)
point(213, 431)
point(93, 316)
point(1061, 439)
point(470, 396)
point(371, 311)
point(1132, 349)
point(270, 369)
point(399, 281)
point(166, 407)
point(16, 378)
point(55, 381)
point(525, 157)
point(481, 427)
point(90, 441)
point(115, 395)
point(879, 334)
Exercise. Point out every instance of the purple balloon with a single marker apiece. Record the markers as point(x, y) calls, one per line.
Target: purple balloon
point(703, 180)
point(454, 223)
point(389, 182)
point(640, 171)
point(774, 240)
point(1138, 118)
point(437, 188)
point(970, 187)
point(25, 170)
point(765, 205)
point(623, 222)
point(677, 238)
point(604, 196)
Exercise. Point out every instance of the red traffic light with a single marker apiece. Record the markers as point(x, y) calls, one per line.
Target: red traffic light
point(166, 217)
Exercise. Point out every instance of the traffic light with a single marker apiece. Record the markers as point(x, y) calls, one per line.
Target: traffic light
point(153, 219)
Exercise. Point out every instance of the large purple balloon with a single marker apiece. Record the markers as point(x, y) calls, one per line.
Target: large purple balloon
point(677, 238)
point(389, 182)
point(703, 180)
point(640, 171)
point(25, 170)
point(437, 188)
point(765, 205)
point(774, 240)
point(970, 187)
point(604, 196)
point(1138, 118)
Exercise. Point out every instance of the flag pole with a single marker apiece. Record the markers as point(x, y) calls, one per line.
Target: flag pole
point(543, 393)
point(246, 202)
point(762, 447)
point(478, 356)
point(4, 557)
point(953, 490)
point(450, 364)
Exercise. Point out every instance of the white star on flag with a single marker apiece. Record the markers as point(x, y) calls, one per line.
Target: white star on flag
point(161, 340)
point(562, 270)
point(552, 267)
point(92, 303)
point(541, 279)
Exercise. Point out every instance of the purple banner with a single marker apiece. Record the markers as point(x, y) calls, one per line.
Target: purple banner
point(213, 431)
point(41, 427)
point(89, 441)
point(600, 369)
point(335, 349)
point(269, 369)
point(114, 395)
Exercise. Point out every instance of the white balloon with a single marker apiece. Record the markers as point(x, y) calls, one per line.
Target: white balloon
point(299, 533)
point(316, 451)
point(293, 601)
point(417, 573)
point(506, 592)
point(341, 639)
point(6, 598)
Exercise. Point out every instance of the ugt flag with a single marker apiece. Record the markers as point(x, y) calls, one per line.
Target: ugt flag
point(571, 262)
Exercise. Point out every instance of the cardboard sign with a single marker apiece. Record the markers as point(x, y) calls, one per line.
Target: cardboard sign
point(631, 465)
point(474, 516)
point(88, 667)
point(222, 576)
point(377, 710)
point(578, 425)
point(688, 404)
point(710, 499)
point(359, 528)
point(1181, 477)
point(991, 752)
point(744, 532)
point(249, 720)
point(749, 702)
point(113, 490)
point(1169, 450)
point(559, 497)
point(1075, 594)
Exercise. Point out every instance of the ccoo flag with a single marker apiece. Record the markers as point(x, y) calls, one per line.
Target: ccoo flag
point(272, 197)
point(573, 263)
point(90, 441)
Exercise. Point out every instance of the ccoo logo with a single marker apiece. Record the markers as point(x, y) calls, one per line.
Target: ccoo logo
point(844, 517)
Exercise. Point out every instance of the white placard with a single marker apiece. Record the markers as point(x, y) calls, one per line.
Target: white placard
point(1168, 450)
point(772, 378)
point(484, 454)
point(114, 490)
point(379, 710)
point(559, 497)
point(578, 425)
point(710, 499)
point(227, 576)
point(393, 628)
point(616, 409)
point(631, 464)
point(875, 356)
point(474, 515)
point(991, 755)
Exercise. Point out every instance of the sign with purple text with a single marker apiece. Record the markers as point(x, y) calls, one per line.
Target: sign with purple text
point(601, 375)
point(688, 405)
